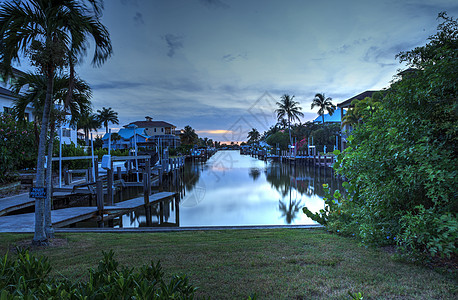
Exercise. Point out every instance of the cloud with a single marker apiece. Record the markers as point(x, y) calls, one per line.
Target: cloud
point(109, 85)
point(214, 4)
point(174, 42)
point(138, 18)
point(231, 57)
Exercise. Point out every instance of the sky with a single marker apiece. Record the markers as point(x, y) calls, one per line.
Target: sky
point(219, 66)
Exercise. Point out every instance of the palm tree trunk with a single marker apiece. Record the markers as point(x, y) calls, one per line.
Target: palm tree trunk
point(40, 235)
point(322, 116)
point(49, 230)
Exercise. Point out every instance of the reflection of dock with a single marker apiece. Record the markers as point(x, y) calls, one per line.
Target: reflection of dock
point(67, 216)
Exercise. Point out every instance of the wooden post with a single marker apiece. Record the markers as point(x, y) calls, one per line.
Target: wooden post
point(146, 188)
point(96, 161)
point(118, 171)
point(110, 186)
point(177, 209)
point(99, 190)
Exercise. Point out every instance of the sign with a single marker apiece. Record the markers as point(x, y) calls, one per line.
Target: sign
point(37, 193)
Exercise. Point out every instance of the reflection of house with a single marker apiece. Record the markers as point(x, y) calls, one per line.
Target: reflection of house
point(344, 106)
point(160, 132)
point(7, 102)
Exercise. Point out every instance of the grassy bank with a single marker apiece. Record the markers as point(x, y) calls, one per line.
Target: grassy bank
point(274, 264)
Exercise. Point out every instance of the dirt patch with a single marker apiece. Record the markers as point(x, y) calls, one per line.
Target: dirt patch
point(27, 244)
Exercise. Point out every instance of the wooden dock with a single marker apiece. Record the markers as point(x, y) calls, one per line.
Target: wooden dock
point(13, 203)
point(67, 216)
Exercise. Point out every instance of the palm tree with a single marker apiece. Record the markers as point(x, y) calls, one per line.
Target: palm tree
point(107, 115)
point(324, 104)
point(290, 110)
point(350, 118)
point(189, 136)
point(35, 94)
point(50, 33)
point(115, 137)
point(87, 121)
point(253, 136)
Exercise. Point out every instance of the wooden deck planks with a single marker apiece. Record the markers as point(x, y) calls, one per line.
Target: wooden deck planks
point(16, 202)
point(67, 216)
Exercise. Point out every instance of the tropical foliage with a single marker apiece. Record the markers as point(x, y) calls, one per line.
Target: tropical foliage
point(401, 163)
point(107, 115)
point(324, 104)
point(17, 147)
point(289, 110)
point(253, 136)
point(27, 277)
point(189, 136)
point(53, 35)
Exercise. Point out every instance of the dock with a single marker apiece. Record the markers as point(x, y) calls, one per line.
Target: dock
point(67, 216)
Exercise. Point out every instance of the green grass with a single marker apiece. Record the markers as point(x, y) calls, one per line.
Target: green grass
point(274, 264)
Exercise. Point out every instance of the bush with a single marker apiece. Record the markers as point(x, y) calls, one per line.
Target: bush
point(401, 161)
point(17, 147)
point(27, 277)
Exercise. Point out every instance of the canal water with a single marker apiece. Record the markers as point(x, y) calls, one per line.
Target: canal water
point(231, 189)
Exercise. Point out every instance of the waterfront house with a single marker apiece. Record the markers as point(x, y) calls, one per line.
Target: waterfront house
point(343, 107)
point(160, 132)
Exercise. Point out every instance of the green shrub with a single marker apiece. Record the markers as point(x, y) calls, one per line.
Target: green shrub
point(425, 232)
point(17, 147)
point(27, 277)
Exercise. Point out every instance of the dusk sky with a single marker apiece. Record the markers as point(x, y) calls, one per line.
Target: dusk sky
point(220, 65)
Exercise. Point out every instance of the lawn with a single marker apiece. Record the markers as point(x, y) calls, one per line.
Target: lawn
point(273, 263)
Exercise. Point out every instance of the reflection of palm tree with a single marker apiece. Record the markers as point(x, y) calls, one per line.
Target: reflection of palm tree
point(254, 173)
point(290, 211)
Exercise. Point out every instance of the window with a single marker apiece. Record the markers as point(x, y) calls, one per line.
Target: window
point(7, 110)
point(66, 132)
point(154, 129)
point(162, 129)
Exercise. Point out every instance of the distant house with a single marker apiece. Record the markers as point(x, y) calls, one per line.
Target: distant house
point(69, 133)
point(127, 139)
point(160, 132)
point(343, 107)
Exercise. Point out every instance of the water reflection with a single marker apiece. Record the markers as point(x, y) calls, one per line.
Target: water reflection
point(232, 190)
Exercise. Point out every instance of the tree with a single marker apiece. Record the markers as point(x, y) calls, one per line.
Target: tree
point(189, 136)
point(107, 115)
point(290, 110)
point(115, 137)
point(51, 33)
point(325, 104)
point(35, 94)
point(253, 136)
point(401, 162)
point(87, 121)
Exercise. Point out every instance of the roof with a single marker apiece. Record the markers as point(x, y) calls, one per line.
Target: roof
point(5, 92)
point(335, 118)
point(347, 103)
point(128, 133)
point(150, 124)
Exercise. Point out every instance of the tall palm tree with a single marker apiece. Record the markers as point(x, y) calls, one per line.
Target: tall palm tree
point(253, 136)
point(35, 94)
point(189, 136)
point(325, 104)
point(50, 33)
point(290, 110)
point(107, 115)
